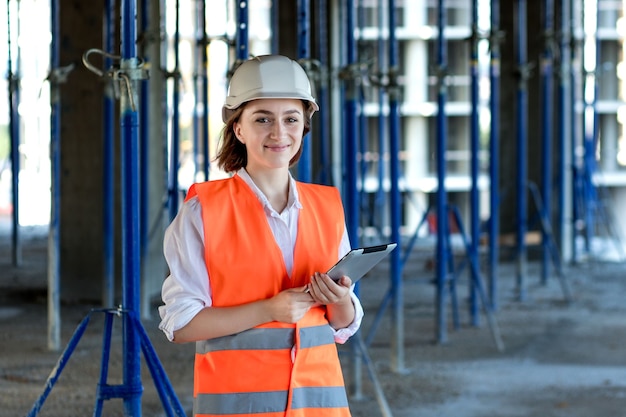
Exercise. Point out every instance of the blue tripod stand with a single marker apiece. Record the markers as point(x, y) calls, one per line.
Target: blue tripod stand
point(105, 391)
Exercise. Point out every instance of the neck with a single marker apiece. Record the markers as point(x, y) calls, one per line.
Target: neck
point(274, 184)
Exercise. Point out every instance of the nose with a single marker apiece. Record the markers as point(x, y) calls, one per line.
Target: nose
point(277, 131)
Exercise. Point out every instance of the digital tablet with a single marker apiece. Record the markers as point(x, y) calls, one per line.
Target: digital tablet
point(358, 262)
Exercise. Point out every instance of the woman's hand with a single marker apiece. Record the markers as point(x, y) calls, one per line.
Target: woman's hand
point(290, 305)
point(336, 297)
point(326, 291)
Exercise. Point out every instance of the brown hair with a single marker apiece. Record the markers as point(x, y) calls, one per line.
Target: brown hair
point(232, 154)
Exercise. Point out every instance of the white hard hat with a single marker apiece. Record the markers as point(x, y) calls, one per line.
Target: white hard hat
point(267, 76)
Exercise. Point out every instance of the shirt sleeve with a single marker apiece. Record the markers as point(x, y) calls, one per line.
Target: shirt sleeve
point(342, 335)
point(186, 290)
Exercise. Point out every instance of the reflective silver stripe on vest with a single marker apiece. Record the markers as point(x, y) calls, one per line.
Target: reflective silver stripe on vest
point(268, 339)
point(244, 403)
point(270, 402)
point(316, 336)
point(319, 397)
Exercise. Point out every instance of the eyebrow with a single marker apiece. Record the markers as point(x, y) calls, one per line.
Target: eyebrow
point(267, 112)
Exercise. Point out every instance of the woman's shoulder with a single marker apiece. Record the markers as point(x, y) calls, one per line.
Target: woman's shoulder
point(320, 190)
point(208, 186)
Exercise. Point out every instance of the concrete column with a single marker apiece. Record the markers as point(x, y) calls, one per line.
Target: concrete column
point(81, 150)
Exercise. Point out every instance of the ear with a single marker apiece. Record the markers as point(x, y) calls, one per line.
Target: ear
point(237, 131)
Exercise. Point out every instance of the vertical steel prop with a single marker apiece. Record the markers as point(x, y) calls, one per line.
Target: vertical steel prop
point(175, 123)
point(324, 176)
point(564, 108)
point(351, 191)
point(201, 90)
point(521, 146)
point(54, 241)
point(547, 112)
point(14, 133)
point(397, 340)
point(144, 141)
point(274, 24)
point(206, 161)
point(474, 161)
point(349, 154)
point(304, 53)
point(442, 250)
point(129, 126)
point(494, 153)
point(576, 125)
point(242, 31)
point(379, 200)
point(108, 174)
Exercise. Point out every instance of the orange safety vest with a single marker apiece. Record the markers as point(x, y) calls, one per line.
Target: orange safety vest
point(275, 369)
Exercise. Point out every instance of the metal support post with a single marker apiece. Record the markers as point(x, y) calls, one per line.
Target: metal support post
point(521, 146)
point(54, 241)
point(474, 163)
point(494, 153)
point(201, 90)
point(129, 146)
point(324, 174)
point(564, 107)
point(108, 171)
point(303, 53)
point(442, 251)
point(547, 112)
point(174, 164)
point(242, 31)
point(379, 199)
point(397, 341)
point(14, 130)
point(350, 149)
point(144, 148)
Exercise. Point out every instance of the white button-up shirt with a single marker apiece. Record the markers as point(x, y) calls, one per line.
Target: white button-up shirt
point(186, 291)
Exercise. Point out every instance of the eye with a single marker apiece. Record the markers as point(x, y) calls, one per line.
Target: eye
point(262, 120)
point(292, 120)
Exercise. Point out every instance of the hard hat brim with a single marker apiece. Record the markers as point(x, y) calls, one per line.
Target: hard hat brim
point(228, 109)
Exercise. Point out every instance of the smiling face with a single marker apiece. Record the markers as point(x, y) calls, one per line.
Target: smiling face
point(272, 131)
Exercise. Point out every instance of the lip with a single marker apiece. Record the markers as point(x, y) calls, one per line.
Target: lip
point(278, 148)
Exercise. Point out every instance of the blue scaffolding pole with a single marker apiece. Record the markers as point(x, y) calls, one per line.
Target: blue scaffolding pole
point(521, 146)
point(494, 153)
point(379, 199)
point(304, 53)
point(474, 163)
point(564, 107)
point(201, 90)
point(14, 132)
point(547, 112)
point(144, 151)
point(350, 149)
point(54, 241)
point(442, 249)
point(129, 145)
point(175, 123)
point(324, 176)
point(242, 32)
point(397, 340)
point(108, 174)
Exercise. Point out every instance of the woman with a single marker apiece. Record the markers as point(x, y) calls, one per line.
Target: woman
point(247, 257)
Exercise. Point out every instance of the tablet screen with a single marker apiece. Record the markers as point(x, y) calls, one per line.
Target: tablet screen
point(356, 263)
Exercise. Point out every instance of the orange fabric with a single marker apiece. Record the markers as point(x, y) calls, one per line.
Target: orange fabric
point(245, 264)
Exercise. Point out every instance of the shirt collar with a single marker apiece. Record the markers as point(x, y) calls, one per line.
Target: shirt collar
point(293, 200)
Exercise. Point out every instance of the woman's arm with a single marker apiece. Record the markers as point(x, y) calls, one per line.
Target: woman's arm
point(288, 306)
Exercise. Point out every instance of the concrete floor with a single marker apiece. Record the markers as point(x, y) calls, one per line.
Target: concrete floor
point(559, 359)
